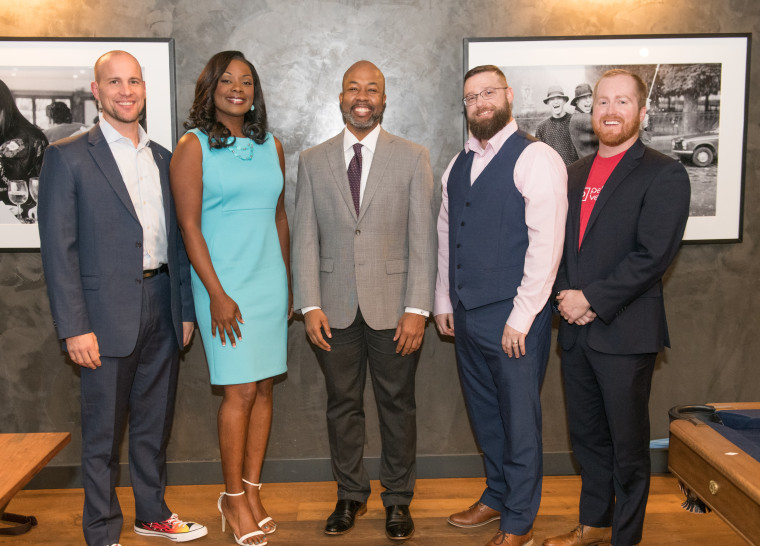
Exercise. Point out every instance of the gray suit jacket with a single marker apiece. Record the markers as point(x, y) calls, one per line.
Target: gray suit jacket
point(91, 244)
point(382, 261)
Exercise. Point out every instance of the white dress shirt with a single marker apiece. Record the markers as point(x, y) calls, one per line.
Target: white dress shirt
point(140, 174)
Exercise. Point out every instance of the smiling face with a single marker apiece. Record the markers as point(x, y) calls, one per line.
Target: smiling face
point(485, 118)
point(120, 89)
point(233, 95)
point(362, 101)
point(616, 117)
point(557, 105)
point(584, 104)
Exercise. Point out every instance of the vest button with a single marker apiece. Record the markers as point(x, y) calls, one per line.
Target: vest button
point(467, 204)
point(462, 224)
point(459, 245)
point(459, 266)
point(459, 286)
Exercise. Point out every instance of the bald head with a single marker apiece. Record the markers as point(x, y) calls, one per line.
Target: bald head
point(368, 72)
point(362, 101)
point(105, 60)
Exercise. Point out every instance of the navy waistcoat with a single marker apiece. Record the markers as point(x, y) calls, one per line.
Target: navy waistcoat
point(488, 237)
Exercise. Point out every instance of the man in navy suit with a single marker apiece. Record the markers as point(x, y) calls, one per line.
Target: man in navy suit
point(119, 289)
point(628, 207)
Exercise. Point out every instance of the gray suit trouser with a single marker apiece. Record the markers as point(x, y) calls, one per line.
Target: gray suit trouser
point(345, 370)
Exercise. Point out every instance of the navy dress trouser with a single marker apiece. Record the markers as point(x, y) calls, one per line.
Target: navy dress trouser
point(608, 414)
point(143, 385)
point(503, 400)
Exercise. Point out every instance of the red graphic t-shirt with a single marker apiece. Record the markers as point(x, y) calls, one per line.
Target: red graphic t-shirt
point(600, 172)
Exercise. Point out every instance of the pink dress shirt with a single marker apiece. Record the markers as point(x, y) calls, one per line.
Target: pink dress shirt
point(540, 176)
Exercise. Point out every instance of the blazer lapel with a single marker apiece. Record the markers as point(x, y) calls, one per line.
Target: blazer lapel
point(630, 161)
point(162, 165)
point(337, 162)
point(101, 153)
point(379, 163)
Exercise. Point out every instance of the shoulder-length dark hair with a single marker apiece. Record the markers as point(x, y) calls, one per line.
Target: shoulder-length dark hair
point(12, 121)
point(203, 111)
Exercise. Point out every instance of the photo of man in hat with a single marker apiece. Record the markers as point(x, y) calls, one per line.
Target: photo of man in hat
point(555, 131)
point(581, 133)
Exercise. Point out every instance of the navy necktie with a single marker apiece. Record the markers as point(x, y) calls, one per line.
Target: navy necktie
point(355, 175)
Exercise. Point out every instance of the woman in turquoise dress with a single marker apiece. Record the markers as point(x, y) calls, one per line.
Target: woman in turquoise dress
point(227, 178)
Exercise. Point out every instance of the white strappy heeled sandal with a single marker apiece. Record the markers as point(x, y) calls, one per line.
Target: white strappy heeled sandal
point(266, 519)
point(245, 537)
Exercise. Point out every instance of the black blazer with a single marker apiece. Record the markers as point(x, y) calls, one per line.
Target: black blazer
point(91, 244)
point(632, 236)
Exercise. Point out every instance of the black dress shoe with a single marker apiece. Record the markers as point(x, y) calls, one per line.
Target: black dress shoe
point(342, 519)
point(398, 522)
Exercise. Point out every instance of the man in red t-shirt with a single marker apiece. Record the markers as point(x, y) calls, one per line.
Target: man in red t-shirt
point(628, 207)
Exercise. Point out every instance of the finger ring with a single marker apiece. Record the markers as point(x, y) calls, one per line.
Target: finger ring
point(514, 343)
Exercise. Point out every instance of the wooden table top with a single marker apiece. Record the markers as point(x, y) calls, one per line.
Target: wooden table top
point(23, 455)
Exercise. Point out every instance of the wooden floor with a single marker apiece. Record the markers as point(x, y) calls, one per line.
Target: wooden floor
point(301, 508)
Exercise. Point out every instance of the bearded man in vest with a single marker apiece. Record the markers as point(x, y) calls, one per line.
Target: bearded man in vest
point(500, 235)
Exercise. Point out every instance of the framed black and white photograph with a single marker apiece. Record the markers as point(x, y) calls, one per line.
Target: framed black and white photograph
point(696, 107)
point(45, 96)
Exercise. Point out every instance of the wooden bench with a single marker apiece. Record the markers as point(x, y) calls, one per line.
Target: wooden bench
point(22, 456)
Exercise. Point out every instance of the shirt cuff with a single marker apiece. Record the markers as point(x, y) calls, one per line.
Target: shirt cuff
point(307, 309)
point(417, 311)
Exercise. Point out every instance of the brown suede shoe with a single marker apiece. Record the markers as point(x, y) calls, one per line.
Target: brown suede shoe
point(476, 515)
point(502, 538)
point(582, 535)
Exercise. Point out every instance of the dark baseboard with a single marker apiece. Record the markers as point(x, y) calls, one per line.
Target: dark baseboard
point(318, 470)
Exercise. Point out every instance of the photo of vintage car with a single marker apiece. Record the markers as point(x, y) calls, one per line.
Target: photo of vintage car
point(700, 149)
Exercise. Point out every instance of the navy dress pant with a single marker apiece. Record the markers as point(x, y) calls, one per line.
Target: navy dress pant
point(143, 386)
point(503, 400)
point(608, 414)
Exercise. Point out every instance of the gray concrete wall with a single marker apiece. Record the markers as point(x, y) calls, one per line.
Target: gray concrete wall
point(301, 49)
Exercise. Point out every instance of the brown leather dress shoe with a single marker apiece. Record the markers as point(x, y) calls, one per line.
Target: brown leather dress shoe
point(476, 515)
point(582, 535)
point(502, 538)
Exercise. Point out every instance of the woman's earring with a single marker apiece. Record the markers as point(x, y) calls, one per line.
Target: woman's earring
point(253, 107)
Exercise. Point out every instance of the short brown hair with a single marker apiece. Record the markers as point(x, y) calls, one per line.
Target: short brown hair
point(485, 68)
point(641, 86)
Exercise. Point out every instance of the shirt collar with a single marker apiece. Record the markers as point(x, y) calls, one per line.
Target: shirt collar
point(369, 141)
point(495, 143)
point(112, 135)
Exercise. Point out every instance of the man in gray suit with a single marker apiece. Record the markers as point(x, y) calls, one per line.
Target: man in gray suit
point(119, 286)
point(364, 250)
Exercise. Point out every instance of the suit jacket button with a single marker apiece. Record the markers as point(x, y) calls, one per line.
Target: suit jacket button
point(138, 281)
point(459, 245)
point(461, 224)
point(358, 231)
point(459, 286)
point(138, 244)
point(459, 266)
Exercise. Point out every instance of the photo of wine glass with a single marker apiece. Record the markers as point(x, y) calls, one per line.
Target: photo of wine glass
point(34, 188)
point(18, 193)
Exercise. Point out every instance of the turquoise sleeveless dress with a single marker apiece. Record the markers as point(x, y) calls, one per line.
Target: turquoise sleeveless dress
point(238, 224)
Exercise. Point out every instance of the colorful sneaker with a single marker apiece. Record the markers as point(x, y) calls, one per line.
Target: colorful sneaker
point(173, 528)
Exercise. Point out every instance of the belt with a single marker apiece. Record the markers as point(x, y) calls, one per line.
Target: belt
point(148, 273)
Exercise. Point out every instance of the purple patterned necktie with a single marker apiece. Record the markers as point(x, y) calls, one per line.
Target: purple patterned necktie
point(355, 175)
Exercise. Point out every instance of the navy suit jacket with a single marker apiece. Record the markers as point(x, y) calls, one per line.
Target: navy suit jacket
point(91, 244)
point(632, 236)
